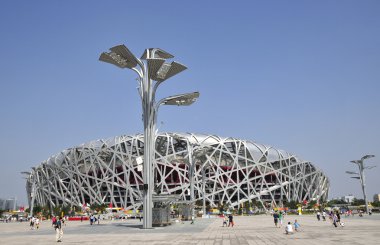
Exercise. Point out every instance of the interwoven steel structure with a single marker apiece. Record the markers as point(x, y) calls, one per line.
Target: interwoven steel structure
point(226, 170)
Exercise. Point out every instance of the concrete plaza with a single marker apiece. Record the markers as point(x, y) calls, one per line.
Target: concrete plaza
point(247, 230)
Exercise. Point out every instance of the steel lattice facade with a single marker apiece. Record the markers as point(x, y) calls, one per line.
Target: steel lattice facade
point(226, 170)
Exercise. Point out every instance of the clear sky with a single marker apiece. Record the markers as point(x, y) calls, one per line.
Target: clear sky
point(302, 76)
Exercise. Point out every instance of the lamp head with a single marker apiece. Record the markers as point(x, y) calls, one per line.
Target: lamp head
point(350, 172)
point(119, 56)
point(356, 161)
point(155, 53)
point(167, 70)
point(181, 99)
point(367, 156)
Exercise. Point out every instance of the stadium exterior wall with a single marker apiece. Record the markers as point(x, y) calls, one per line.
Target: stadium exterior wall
point(226, 170)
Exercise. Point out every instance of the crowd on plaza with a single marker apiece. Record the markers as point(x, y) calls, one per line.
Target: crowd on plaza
point(333, 216)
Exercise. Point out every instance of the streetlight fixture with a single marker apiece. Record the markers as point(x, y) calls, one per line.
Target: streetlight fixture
point(360, 176)
point(152, 69)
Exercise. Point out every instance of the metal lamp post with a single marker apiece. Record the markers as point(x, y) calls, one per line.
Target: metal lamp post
point(152, 70)
point(360, 175)
point(31, 176)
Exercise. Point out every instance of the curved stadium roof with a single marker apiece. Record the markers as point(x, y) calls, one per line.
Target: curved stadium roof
point(230, 170)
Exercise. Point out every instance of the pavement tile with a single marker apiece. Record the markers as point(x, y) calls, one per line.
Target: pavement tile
point(252, 230)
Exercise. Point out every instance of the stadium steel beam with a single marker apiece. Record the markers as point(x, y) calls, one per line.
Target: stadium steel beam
point(110, 169)
point(361, 176)
point(152, 70)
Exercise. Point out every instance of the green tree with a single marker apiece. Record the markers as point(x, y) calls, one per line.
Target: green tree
point(46, 211)
point(221, 208)
point(37, 209)
point(375, 204)
point(65, 209)
point(102, 208)
point(292, 204)
point(331, 203)
point(57, 211)
point(311, 204)
point(358, 202)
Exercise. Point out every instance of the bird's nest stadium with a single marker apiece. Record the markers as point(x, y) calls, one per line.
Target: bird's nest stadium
point(221, 170)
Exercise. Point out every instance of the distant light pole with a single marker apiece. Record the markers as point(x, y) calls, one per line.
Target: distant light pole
point(152, 70)
point(32, 194)
point(360, 176)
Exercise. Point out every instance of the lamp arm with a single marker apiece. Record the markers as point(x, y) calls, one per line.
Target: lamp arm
point(155, 89)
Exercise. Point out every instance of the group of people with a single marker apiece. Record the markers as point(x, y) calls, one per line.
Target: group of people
point(34, 223)
point(228, 220)
point(323, 215)
point(334, 217)
point(93, 219)
point(289, 227)
point(278, 218)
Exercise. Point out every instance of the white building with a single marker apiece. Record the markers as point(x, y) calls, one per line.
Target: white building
point(349, 198)
point(376, 198)
point(8, 204)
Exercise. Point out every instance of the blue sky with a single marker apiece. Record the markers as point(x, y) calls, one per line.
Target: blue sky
point(302, 76)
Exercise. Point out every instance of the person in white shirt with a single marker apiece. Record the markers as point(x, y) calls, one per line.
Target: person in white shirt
point(289, 228)
point(324, 216)
point(37, 222)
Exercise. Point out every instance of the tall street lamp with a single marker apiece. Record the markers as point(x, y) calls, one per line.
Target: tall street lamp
point(152, 70)
point(360, 176)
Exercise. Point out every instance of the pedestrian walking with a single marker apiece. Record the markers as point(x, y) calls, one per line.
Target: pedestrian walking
point(338, 217)
point(334, 219)
point(296, 225)
point(58, 229)
point(192, 220)
point(231, 220)
point(37, 222)
point(32, 223)
point(319, 216)
point(225, 221)
point(324, 215)
point(53, 220)
point(275, 219)
point(280, 218)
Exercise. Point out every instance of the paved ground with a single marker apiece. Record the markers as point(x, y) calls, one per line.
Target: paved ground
point(247, 231)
